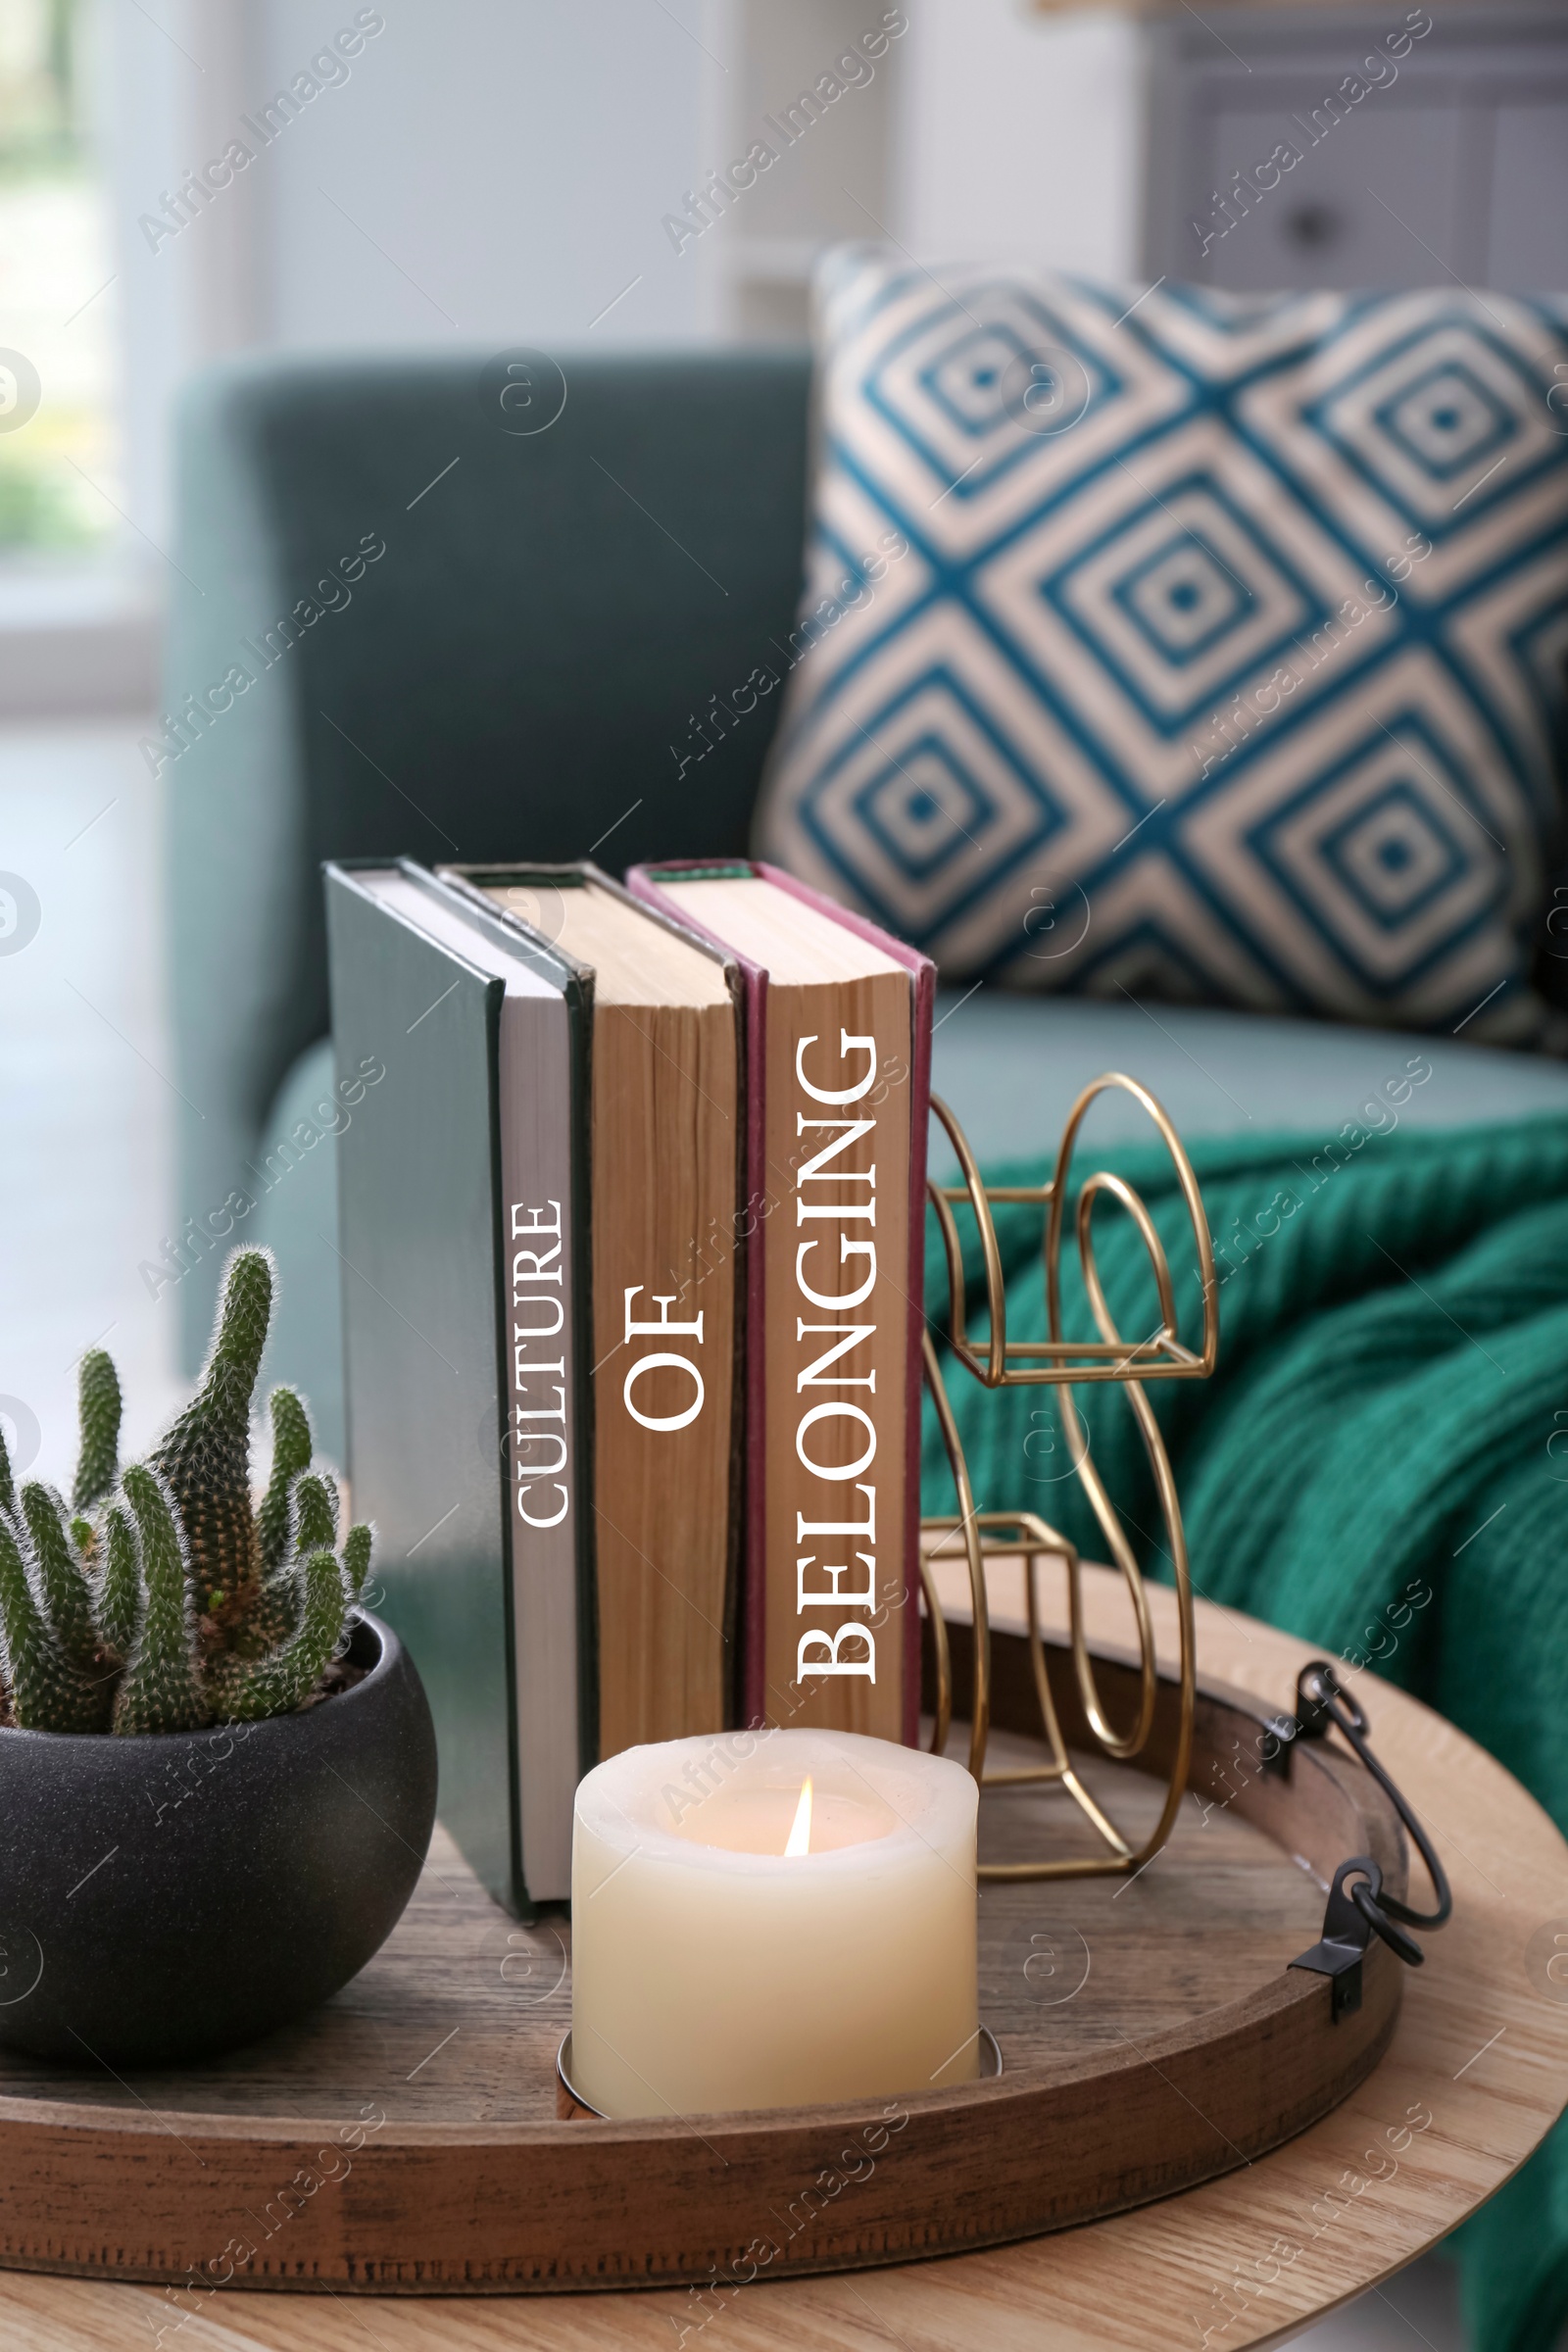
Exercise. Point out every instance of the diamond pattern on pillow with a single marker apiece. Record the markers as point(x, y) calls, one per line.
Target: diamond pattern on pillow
point(1227, 658)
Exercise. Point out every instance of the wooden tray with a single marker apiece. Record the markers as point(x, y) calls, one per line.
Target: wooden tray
point(406, 2138)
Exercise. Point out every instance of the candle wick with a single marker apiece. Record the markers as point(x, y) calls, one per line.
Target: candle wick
point(799, 1837)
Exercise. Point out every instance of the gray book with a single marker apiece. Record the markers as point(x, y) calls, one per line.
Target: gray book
point(462, 1238)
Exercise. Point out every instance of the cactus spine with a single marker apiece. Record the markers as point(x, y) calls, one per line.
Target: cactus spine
point(46, 1689)
point(98, 1464)
point(161, 1690)
point(167, 1600)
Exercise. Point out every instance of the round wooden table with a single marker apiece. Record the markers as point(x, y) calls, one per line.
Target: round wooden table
point(1481, 2050)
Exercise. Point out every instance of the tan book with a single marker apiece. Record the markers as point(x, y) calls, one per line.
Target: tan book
point(665, 1162)
point(838, 1023)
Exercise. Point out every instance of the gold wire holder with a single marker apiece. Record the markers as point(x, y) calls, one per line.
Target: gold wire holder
point(1000, 1361)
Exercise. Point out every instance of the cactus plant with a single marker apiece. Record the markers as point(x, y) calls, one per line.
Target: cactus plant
point(163, 1599)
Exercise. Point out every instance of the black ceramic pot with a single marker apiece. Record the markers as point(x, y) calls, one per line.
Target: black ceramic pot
point(164, 1897)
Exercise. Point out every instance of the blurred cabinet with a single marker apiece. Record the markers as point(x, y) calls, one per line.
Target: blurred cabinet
point(1449, 162)
point(795, 77)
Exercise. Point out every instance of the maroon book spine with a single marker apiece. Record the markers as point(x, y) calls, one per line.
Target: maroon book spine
point(644, 882)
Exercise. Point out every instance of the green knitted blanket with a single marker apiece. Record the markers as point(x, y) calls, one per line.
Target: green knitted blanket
point(1389, 1417)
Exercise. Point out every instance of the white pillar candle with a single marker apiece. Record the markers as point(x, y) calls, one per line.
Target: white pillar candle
point(739, 1943)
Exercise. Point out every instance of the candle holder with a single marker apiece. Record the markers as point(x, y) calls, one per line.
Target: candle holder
point(1000, 1361)
point(570, 2102)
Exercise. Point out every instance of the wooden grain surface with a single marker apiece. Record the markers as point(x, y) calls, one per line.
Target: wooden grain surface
point(1477, 2069)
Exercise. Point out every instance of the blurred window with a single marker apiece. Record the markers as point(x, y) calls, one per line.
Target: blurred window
point(59, 456)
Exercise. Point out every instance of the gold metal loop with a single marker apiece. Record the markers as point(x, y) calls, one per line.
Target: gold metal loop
point(1002, 1363)
point(980, 1710)
point(942, 1197)
point(1182, 1363)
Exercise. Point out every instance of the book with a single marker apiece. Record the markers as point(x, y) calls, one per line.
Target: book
point(461, 1194)
point(666, 1160)
point(838, 1018)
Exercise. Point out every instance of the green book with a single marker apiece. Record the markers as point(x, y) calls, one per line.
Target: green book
point(462, 1239)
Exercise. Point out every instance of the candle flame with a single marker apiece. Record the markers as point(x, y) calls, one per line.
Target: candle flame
point(800, 1839)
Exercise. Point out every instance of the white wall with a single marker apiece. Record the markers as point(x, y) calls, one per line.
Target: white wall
point(147, 102)
point(1020, 133)
point(489, 169)
point(511, 159)
point(497, 171)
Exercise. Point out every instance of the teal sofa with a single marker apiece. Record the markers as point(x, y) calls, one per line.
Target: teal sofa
point(399, 627)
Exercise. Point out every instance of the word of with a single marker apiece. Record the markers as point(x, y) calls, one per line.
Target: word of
point(852, 71)
point(201, 1235)
point(660, 1326)
point(198, 714)
point(1235, 725)
point(195, 194)
point(206, 2277)
point(859, 2162)
point(1233, 204)
point(1232, 2300)
point(1352, 1137)
point(825, 615)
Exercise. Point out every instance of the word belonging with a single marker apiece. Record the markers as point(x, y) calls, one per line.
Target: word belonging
point(720, 190)
point(327, 70)
point(819, 1651)
point(1234, 203)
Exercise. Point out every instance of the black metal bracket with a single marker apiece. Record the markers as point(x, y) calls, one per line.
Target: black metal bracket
point(1358, 1911)
point(1346, 1936)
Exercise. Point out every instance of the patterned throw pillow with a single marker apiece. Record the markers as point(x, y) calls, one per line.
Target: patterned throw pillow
point(1187, 645)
